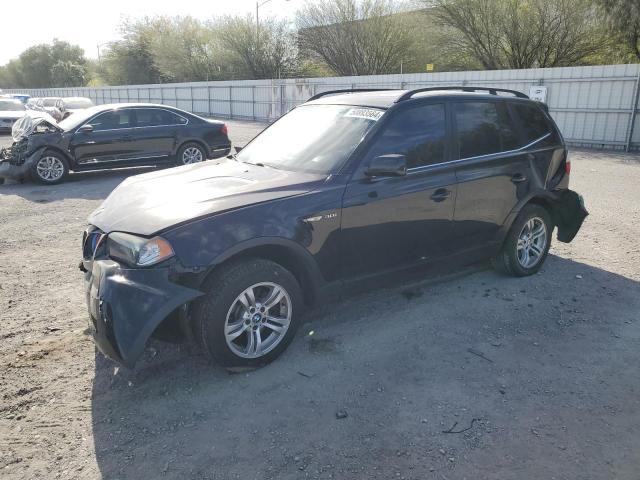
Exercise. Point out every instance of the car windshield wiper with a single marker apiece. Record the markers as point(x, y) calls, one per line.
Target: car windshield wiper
point(260, 164)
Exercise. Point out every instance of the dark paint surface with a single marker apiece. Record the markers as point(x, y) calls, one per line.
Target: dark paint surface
point(337, 227)
point(123, 147)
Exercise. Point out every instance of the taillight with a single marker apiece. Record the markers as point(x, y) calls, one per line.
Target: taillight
point(224, 129)
point(567, 167)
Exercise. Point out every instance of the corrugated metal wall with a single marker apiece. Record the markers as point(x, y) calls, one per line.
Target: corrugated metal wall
point(593, 106)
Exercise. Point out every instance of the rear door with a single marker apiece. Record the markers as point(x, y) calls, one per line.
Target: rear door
point(154, 133)
point(491, 171)
point(108, 144)
point(391, 222)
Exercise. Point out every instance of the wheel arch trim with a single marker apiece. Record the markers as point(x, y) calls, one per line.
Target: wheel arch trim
point(297, 259)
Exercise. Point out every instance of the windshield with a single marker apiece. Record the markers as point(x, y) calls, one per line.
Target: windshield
point(311, 138)
point(49, 102)
point(78, 103)
point(11, 106)
point(78, 118)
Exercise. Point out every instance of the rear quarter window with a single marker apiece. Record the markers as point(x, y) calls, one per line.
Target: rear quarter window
point(533, 121)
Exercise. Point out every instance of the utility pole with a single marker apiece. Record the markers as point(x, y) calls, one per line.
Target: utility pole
point(258, 5)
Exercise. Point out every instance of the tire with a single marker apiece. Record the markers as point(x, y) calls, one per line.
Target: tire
point(190, 153)
point(518, 259)
point(50, 169)
point(220, 314)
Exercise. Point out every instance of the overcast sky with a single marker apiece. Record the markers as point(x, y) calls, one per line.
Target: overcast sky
point(89, 23)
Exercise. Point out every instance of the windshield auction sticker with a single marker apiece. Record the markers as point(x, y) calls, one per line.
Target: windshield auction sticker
point(366, 113)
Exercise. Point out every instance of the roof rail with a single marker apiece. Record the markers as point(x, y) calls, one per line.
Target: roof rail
point(348, 90)
point(491, 90)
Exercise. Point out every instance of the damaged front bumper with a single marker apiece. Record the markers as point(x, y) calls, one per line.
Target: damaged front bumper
point(127, 304)
point(16, 162)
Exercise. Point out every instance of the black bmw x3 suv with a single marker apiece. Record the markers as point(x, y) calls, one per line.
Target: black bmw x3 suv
point(347, 185)
point(112, 136)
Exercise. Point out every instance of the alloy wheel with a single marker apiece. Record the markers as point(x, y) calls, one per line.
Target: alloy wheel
point(50, 169)
point(258, 320)
point(191, 155)
point(532, 242)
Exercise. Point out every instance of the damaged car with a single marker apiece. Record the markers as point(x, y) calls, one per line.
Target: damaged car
point(346, 186)
point(111, 136)
point(54, 106)
point(71, 105)
point(11, 110)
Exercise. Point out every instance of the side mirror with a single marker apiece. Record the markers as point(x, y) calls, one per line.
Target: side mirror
point(391, 165)
point(86, 128)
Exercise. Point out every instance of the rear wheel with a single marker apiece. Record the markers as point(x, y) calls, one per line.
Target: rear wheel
point(249, 314)
point(50, 169)
point(527, 244)
point(191, 153)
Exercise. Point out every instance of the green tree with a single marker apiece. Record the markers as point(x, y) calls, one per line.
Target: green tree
point(34, 68)
point(354, 37)
point(185, 49)
point(270, 52)
point(521, 33)
point(65, 73)
point(130, 61)
point(624, 17)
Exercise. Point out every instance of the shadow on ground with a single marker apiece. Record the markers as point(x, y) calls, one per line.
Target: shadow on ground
point(94, 185)
point(476, 376)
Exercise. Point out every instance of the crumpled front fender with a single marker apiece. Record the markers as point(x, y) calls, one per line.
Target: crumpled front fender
point(127, 305)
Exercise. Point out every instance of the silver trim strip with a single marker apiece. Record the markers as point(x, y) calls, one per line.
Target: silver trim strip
point(94, 161)
point(508, 152)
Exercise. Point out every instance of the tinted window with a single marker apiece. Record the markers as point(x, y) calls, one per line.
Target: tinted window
point(534, 123)
point(153, 117)
point(484, 128)
point(418, 132)
point(112, 120)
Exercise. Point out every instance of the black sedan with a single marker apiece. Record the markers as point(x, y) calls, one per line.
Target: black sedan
point(113, 136)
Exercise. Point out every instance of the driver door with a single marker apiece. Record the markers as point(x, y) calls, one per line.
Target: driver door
point(110, 141)
point(393, 222)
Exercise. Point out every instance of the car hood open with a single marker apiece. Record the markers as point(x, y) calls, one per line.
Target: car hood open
point(146, 204)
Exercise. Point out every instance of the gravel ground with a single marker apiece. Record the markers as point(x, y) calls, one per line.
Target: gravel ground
point(469, 375)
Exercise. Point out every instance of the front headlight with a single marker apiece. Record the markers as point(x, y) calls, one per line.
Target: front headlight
point(137, 251)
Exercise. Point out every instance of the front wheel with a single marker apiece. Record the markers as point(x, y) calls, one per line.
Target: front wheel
point(249, 314)
point(527, 244)
point(52, 168)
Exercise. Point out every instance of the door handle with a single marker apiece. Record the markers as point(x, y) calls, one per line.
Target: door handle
point(440, 195)
point(518, 178)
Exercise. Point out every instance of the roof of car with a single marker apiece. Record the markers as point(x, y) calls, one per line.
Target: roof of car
point(386, 98)
point(108, 106)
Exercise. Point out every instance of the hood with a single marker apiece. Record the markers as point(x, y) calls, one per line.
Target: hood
point(26, 125)
point(146, 204)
